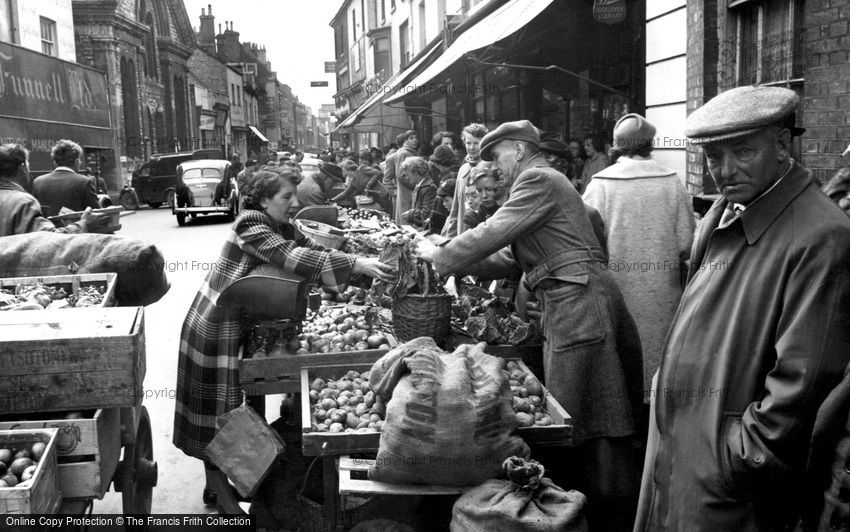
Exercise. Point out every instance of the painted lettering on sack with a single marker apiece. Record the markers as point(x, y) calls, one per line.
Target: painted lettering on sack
point(420, 418)
point(479, 378)
point(489, 421)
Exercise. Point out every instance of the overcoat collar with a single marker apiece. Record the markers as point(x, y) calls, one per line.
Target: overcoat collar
point(626, 168)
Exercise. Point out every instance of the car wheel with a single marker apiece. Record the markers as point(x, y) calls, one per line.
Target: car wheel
point(169, 198)
point(155, 204)
point(129, 202)
point(181, 219)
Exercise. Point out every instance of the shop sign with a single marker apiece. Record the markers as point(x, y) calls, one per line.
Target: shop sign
point(609, 11)
point(36, 86)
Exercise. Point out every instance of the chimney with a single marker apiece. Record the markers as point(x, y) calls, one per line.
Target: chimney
point(206, 37)
point(229, 48)
point(261, 55)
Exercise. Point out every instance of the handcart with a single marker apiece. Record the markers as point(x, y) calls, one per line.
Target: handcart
point(80, 371)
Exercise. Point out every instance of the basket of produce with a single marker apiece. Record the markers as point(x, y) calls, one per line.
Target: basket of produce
point(324, 234)
point(29, 483)
point(420, 304)
point(58, 291)
point(416, 315)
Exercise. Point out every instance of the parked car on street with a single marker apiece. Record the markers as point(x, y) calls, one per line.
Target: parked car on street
point(205, 187)
point(155, 181)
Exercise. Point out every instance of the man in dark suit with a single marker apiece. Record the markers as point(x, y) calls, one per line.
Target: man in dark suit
point(64, 187)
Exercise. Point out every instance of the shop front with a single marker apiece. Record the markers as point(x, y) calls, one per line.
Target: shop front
point(44, 99)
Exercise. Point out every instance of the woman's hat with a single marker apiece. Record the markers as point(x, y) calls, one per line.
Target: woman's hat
point(633, 130)
point(443, 155)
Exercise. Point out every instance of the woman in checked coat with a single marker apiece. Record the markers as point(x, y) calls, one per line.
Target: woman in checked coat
point(207, 373)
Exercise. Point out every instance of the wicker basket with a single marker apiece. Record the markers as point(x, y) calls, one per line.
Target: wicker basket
point(415, 315)
point(321, 233)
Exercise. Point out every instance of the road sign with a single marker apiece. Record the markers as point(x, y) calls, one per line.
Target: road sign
point(318, 83)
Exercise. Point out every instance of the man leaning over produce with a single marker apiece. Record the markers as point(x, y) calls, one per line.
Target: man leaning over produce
point(761, 333)
point(20, 212)
point(592, 359)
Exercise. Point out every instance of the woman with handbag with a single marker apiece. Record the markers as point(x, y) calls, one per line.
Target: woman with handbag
point(208, 362)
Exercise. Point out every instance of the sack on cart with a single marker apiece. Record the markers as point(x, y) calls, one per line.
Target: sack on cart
point(244, 448)
point(449, 419)
point(525, 502)
point(139, 264)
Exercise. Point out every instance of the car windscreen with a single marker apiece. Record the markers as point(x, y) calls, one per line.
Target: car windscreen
point(196, 173)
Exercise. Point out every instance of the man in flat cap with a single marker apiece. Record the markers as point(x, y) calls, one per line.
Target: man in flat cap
point(760, 336)
point(592, 358)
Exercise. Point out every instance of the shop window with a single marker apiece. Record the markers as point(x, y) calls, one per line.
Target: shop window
point(48, 36)
point(767, 42)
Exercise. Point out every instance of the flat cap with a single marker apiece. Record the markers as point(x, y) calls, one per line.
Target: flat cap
point(739, 112)
point(519, 130)
point(331, 170)
point(555, 147)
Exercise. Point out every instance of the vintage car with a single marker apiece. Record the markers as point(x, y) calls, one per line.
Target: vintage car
point(205, 187)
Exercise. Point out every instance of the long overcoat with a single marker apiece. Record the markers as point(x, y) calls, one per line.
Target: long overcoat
point(758, 341)
point(592, 359)
point(650, 228)
point(208, 365)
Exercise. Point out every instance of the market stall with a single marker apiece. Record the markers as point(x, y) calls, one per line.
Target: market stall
point(320, 350)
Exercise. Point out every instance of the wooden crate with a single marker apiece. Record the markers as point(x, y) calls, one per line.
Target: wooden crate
point(88, 449)
point(282, 374)
point(559, 433)
point(42, 496)
point(104, 282)
point(56, 360)
point(330, 443)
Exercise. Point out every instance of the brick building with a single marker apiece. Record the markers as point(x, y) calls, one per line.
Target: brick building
point(803, 46)
point(143, 46)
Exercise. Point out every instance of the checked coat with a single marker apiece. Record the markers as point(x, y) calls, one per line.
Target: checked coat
point(208, 361)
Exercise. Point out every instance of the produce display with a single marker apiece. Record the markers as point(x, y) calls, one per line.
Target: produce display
point(413, 276)
point(347, 404)
point(352, 328)
point(39, 296)
point(528, 397)
point(17, 466)
point(490, 319)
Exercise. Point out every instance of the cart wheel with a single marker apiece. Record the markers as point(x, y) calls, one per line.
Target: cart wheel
point(137, 473)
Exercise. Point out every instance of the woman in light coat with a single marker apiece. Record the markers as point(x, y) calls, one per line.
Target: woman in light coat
point(650, 229)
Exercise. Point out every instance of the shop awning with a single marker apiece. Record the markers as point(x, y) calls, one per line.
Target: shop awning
point(393, 85)
point(259, 135)
point(501, 23)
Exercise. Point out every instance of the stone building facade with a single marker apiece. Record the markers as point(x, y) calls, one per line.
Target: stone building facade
point(143, 46)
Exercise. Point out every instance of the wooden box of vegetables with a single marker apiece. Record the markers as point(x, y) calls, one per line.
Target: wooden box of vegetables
point(88, 446)
point(348, 429)
point(88, 358)
point(58, 291)
point(29, 483)
point(341, 415)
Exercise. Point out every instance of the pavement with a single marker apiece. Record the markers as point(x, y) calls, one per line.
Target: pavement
point(189, 253)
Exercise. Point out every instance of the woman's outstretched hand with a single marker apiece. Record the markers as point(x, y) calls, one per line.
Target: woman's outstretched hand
point(374, 268)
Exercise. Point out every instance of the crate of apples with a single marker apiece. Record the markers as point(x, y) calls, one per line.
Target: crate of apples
point(540, 417)
point(29, 482)
point(341, 413)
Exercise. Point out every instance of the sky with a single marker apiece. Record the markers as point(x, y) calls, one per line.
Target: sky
point(296, 34)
